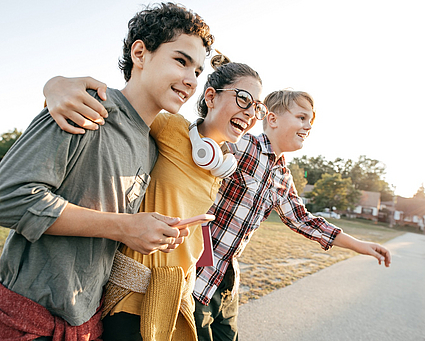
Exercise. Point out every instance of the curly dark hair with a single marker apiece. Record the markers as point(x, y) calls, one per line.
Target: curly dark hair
point(161, 23)
point(225, 74)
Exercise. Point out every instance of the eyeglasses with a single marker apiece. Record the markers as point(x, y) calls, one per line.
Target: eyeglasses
point(244, 100)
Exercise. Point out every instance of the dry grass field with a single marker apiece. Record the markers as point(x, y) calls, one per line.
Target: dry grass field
point(276, 256)
point(3, 235)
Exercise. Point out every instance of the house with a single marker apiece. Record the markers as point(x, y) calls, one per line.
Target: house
point(410, 211)
point(368, 206)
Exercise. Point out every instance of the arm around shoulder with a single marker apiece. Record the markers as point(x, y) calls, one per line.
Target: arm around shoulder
point(67, 98)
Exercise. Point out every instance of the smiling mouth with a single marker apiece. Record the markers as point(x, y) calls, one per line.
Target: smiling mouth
point(182, 95)
point(239, 124)
point(302, 136)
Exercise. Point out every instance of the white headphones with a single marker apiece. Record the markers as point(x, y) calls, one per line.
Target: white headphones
point(207, 154)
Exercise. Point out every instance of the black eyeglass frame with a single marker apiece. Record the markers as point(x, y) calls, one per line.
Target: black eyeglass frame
point(256, 103)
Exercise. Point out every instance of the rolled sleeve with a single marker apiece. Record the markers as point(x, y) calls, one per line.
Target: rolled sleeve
point(39, 217)
point(293, 213)
point(30, 172)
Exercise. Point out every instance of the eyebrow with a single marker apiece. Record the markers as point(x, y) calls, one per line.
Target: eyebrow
point(190, 59)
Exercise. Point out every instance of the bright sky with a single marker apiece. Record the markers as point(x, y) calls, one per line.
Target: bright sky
point(363, 62)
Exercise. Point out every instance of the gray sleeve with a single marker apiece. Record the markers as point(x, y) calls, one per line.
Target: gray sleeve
point(30, 172)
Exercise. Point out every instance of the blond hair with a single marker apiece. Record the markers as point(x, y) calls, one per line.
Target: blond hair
point(280, 101)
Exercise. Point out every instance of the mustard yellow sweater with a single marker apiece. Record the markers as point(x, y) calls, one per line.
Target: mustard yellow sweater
point(178, 188)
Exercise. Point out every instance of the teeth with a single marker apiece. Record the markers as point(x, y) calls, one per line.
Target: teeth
point(182, 95)
point(240, 123)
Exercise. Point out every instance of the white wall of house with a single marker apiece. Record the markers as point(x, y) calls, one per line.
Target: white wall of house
point(397, 215)
point(359, 210)
point(375, 211)
point(420, 221)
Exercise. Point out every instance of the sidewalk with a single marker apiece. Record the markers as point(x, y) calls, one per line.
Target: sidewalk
point(352, 300)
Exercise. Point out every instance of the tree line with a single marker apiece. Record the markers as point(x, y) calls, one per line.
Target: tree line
point(339, 183)
point(7, 140)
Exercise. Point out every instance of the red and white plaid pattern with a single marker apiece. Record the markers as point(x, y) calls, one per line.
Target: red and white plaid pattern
point(260, 184)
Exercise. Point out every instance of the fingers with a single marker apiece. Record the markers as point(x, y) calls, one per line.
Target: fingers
point(169, 244)
point(184, 232)
point(74, 113)
point(387, 257)
point(173, 246)
point(382, 255)
point(176, 241)
point(64, 125)
point(166, 219)
point(150, 232)
point(67, 98)
point(175, 236)
point(92, 83)
point(83, 122)
point(93, 109)
point(83, 109)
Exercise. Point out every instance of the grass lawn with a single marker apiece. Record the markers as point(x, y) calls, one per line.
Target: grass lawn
point(277, 257)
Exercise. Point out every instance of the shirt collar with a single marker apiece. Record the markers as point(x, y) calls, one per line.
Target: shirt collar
point(266, 148)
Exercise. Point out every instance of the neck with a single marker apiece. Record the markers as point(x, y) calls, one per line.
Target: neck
point(142, 105)
point(204, 130)
point(273, 143)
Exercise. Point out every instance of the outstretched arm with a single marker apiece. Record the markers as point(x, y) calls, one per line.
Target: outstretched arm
point(300, 220)
point(365, 248)
point(67, 98)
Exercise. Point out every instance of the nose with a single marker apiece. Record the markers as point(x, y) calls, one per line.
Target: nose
point(307, 125)
point(191, 80)
point(250, 112)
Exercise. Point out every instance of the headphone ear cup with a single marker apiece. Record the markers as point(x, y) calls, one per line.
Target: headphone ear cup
point(227, 168)
point(206, 153)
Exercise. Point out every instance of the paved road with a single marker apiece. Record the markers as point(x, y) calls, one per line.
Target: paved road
point(352, 300)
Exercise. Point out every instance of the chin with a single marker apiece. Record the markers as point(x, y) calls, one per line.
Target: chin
point(234, 139)
point(294, 148)
point(173, 109)
point(299, 147)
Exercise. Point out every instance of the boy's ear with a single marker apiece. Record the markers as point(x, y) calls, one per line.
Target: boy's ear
point(271, 119)
point(138, 52)
point(210, 96)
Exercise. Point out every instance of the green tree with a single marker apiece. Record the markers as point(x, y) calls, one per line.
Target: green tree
point(7, 140)
point(334, 191)
point(298, 176)
point(314, 167)
point(368, 175)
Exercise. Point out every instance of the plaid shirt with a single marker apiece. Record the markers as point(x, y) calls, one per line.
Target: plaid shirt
point(261, 183)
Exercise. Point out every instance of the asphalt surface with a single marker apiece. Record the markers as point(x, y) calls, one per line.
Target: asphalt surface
point(353, 300)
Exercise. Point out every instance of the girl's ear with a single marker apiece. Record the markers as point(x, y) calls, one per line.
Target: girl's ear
point(138, 52)
point(210, 97)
